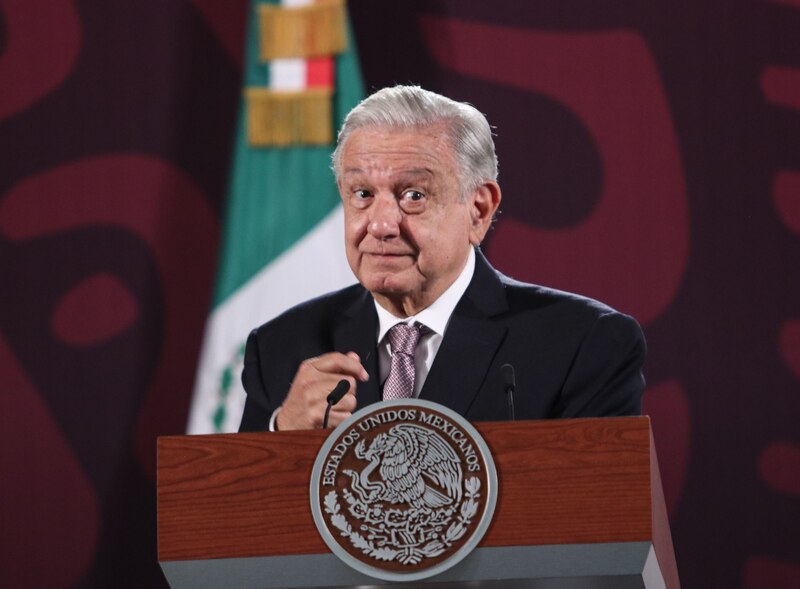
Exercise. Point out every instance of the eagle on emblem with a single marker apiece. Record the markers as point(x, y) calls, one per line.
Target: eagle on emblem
point(416, 467)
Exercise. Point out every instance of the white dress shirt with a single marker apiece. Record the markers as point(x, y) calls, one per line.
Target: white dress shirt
point(436, 318)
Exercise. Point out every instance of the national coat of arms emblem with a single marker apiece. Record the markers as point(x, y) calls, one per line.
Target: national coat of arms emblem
point(403, 490)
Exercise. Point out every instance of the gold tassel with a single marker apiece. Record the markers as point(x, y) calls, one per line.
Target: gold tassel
point(307, 31)
point(289, 118)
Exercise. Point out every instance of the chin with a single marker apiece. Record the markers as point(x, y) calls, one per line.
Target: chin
point(386, 285)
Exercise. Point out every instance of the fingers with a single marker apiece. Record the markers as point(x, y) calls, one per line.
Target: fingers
point(337, 417)
point(335, 363)
point(304, 406)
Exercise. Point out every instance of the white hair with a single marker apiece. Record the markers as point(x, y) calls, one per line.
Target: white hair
point(409, 107)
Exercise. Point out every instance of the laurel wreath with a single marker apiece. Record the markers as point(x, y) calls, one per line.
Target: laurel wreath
point(434, 548)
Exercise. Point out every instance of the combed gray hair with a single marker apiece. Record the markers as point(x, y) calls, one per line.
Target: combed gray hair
point(408, 107)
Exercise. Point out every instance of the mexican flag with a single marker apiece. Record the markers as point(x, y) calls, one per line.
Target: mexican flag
point(282, 240)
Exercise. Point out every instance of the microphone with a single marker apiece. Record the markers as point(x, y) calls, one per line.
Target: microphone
point(339, 391)
point(509, 384)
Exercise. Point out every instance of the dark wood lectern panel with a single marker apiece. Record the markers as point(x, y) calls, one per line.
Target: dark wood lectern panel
point(562, 482)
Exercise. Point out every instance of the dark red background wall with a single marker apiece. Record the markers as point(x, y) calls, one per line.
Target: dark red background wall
point(650, 157)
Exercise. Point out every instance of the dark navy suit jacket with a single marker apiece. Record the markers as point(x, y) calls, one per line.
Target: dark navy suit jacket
point(572, 356)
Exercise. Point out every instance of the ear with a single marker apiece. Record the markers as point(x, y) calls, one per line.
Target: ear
point(483, 203)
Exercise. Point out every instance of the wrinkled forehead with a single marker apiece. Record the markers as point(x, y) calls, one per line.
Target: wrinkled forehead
point(413, 150)
point(399, 172)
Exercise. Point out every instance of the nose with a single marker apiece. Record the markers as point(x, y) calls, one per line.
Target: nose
point(385, 218)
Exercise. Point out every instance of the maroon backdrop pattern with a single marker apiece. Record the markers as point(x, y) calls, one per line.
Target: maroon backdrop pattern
point(650, 157)
point(116, 121)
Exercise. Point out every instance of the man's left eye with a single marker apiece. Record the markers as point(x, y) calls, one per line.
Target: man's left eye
point(413, 195)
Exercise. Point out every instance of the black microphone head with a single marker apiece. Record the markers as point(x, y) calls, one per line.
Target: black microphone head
point(339, 391)
point(509, 381)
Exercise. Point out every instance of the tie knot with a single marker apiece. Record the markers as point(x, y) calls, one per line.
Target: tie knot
point(403, 338)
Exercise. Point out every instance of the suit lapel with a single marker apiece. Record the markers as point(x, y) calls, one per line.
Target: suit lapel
point(356, 330)
point(470, 343)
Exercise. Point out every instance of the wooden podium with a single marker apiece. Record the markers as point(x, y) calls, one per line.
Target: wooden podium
point(580, 504)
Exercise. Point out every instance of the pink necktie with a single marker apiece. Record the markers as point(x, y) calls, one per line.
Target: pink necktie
point(400, 382)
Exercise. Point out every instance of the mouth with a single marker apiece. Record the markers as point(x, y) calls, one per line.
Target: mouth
point(387, 259)
point(388, 254)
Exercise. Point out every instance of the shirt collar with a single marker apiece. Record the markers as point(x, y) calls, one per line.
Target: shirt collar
point(436, 316)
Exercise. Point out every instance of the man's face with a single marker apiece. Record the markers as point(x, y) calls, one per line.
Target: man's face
point(407, 232)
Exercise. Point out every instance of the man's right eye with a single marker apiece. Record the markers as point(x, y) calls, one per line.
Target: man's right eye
point(360, 198)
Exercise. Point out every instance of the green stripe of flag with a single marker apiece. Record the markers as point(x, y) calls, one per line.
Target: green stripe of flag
point(277, 194)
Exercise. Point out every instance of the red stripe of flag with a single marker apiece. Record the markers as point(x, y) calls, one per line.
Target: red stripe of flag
point(319, 72)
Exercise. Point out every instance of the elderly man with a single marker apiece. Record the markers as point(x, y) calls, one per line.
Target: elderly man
point(417, 174)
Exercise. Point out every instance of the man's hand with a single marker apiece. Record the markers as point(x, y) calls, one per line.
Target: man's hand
point(304, 406)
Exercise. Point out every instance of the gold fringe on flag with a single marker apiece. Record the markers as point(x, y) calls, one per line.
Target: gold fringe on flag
point(306, 31)
point(289, 118)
